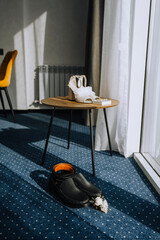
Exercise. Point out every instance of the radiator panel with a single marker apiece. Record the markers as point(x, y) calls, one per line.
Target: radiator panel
point(53, 80)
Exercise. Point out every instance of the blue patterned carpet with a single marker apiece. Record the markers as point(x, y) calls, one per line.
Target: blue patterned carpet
point(28, 211)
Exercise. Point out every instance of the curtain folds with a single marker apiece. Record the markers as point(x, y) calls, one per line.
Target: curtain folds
point(114, 79)
point(94, 48)
point(151, 119)
point(94, 43)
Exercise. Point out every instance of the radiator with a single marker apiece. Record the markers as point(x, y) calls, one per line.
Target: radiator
point(53, 80)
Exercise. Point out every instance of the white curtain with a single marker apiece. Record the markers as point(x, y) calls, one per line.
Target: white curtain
point(115, 74)
point(151, 124)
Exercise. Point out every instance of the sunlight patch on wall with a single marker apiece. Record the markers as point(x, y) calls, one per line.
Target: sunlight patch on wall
point(40, 27)
point(30, 45)
point(20, 72)
point(30, 53)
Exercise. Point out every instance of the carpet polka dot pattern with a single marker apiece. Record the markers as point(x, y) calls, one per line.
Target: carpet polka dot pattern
point(28, 211)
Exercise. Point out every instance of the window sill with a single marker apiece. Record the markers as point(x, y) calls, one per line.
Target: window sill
point(148, 171)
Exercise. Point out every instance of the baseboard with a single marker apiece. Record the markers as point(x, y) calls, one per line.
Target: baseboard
point(148, 171)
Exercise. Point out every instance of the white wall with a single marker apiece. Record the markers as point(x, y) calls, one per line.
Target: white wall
point(11, 19)
point(48, 32)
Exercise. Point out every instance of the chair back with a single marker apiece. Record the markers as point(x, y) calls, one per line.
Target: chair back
point(6, 68)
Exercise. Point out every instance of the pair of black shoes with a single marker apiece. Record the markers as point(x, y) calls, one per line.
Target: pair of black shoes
point(73, 188)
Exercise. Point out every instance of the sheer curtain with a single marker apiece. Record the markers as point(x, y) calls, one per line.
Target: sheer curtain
point(151, 122)
point(115, 74)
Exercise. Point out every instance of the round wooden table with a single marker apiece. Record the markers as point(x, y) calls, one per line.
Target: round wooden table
point(65, 103)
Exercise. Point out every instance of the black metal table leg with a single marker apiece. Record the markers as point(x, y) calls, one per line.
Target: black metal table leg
point(10, 104)
point(48, 134)
point(109, 141)
point(69, 128)
point(91, 137)
point(1, 97)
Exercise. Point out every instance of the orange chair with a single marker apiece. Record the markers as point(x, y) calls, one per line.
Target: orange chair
point(5, 78)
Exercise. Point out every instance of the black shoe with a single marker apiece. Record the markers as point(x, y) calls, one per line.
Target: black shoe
point(73, 189)
point(85, 186)
point(69, 194)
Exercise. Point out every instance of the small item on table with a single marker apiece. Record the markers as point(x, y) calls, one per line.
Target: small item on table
point(103, 102)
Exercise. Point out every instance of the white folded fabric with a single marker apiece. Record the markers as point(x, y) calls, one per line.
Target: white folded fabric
point(77, 84)
point(84, 94)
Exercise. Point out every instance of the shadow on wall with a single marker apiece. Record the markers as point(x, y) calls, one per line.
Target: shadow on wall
point(48, 32)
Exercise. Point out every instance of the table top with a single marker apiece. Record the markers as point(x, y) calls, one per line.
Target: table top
point(65, 103)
